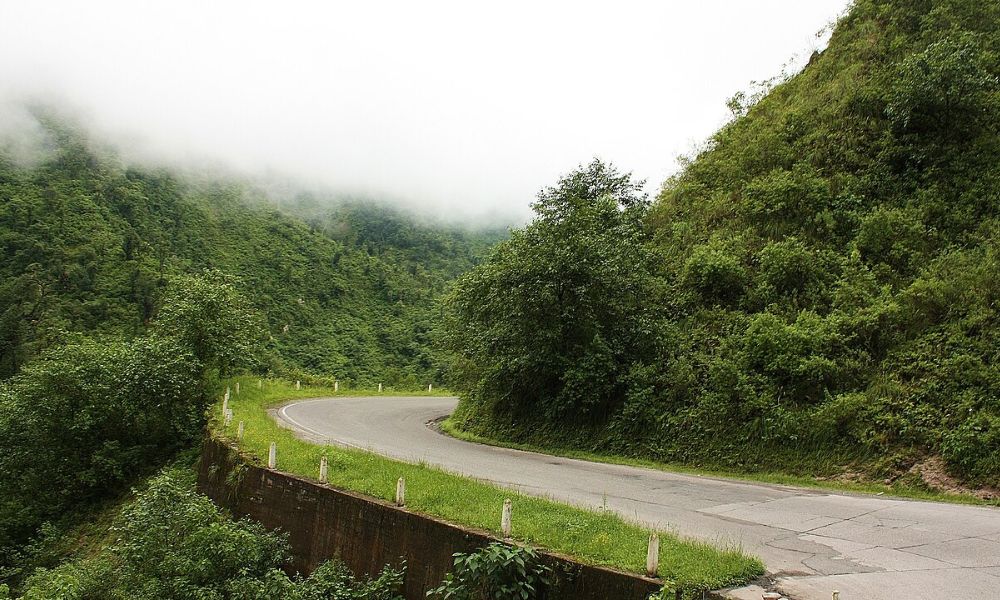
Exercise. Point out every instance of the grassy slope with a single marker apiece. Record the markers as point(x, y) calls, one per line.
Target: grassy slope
point(596, 537)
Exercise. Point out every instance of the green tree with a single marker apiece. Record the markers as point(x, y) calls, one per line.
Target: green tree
point(209, 315)
point(550, 319)
point(85, 419)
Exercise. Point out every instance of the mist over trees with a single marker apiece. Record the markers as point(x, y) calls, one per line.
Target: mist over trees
point(90, 242)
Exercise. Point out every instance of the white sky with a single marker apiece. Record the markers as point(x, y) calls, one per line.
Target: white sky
point(464, 108)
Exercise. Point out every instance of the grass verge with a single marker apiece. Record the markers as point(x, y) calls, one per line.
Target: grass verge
point(595, 537)
point(895, 490)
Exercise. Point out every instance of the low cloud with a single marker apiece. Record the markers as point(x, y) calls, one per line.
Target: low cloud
point(461, 109)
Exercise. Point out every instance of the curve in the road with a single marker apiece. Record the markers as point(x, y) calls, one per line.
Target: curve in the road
point(813, 542)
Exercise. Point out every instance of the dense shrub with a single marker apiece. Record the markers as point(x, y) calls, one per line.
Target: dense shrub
point(781, 198)
point(173, 543)
point(975, 445)
point(497, 572)
point(800, 358)
point(790, 271)
point(893, 237)
point(85, 419)
point(715, 274)
point(947, 91)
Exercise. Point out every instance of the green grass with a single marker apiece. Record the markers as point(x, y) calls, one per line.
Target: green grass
point(900, 489)
point(595, 537)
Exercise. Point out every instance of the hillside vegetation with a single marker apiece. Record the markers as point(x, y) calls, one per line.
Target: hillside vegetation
point(816, 292)
point(171, 542)
point(90, 242)
point(127, 293)
point(85, 419)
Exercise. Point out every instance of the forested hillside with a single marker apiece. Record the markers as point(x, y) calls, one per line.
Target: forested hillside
point(89, 243)
point(128, 292)
point(817, 291)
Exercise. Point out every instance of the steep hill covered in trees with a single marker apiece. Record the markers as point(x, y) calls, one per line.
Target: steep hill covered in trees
point(817, 290)
point(89, 242)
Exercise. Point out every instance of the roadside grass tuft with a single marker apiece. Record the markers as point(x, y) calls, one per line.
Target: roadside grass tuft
point(594, 536)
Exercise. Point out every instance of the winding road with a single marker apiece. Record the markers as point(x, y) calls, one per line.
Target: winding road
point(813, 542)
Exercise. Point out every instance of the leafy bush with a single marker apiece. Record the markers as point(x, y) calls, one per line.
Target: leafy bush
point(497, 572)
point(788, 269)
point(975, 445)
point(894, 237)
point(174, 543)
point(85, 419)
point(715, 274)
point(801, 358)
point(783, 197)
point(947, 90)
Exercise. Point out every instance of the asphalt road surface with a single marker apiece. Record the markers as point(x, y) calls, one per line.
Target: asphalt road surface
point(813, 542)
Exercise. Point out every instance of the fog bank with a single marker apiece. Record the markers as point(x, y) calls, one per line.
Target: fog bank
point(461, 109)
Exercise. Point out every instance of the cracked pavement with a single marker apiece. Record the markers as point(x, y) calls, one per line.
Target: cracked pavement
point(813, 542)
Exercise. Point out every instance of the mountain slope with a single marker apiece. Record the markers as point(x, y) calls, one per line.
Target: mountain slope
point(845, 229)
point(827, 285)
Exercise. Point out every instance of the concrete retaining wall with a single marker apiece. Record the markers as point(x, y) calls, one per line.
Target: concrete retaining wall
point(366, 533)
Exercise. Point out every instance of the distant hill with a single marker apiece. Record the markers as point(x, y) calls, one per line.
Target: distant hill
point(89, 241)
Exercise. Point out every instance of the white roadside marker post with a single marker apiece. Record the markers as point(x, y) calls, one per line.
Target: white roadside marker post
point(272, 456)
point(260, 384)
point(653, 555)
point(298, 384)
point(323, 468)
point(505, 519)
point(239, 432)
point(400, 492)
point(229, 418)
point(336, 386)
point(430, 387)
point(380, 388)
point(237, 388)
